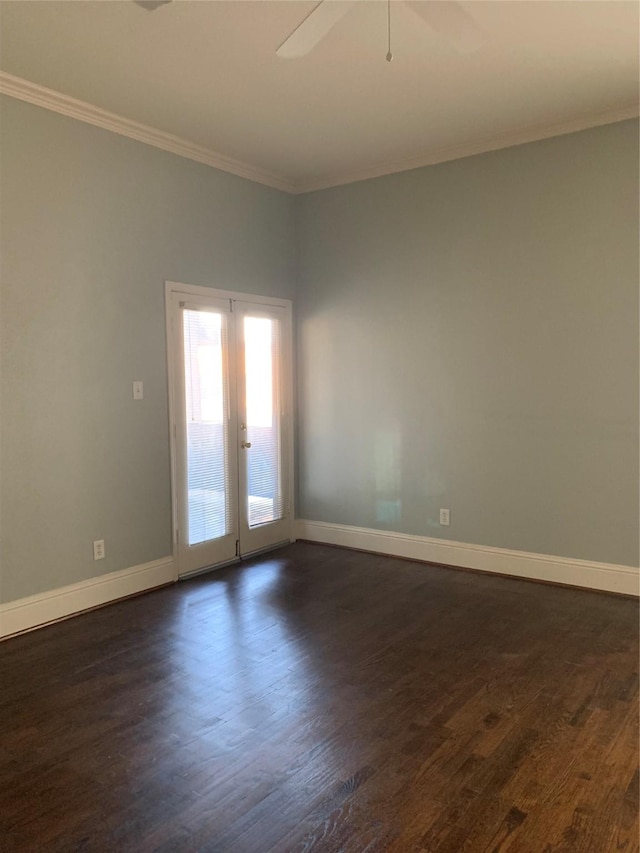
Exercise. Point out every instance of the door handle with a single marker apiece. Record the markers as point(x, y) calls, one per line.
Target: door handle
point(245, 444)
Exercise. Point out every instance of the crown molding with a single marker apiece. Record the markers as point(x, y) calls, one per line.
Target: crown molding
point(532, 133)
point(33, 93)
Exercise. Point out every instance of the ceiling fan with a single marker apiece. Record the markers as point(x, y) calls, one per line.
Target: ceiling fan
point(446, 17)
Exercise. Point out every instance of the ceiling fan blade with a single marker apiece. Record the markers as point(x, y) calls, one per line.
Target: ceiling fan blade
point(314, 28)
point(450, 20)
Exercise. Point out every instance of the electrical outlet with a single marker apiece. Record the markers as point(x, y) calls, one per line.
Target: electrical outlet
point(445, 517)
point(98, 550)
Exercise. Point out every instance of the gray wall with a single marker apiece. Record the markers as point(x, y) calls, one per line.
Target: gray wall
point(92, 225)
point(468, 338)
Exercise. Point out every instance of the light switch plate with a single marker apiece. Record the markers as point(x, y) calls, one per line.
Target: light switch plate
point(138, 390)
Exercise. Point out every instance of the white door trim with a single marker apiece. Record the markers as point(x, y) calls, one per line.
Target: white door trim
point(214, 293)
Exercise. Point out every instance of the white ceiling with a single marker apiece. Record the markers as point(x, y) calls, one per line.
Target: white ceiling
point(206, 71)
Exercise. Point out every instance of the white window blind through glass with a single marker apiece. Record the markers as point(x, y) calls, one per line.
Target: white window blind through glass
point(207, 426)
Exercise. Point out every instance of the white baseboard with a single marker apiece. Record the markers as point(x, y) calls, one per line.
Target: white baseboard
point(37, 610)
point(542, 567)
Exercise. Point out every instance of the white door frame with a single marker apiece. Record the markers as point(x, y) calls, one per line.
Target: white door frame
point(191, 290)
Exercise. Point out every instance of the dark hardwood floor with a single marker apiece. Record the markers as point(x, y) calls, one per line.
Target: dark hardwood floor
point(326, 700)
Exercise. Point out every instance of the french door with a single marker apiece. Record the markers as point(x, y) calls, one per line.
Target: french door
point(230, 377)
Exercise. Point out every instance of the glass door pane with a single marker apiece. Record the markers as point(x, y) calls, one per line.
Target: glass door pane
point(264, 487)
point(207, 434)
